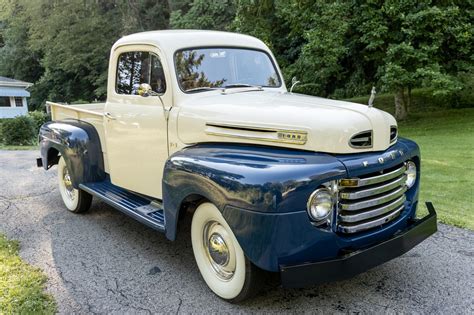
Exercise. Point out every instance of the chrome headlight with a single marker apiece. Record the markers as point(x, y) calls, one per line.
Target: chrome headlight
point(411, 174)
point(320, 205)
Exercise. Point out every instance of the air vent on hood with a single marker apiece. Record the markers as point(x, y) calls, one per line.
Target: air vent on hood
point(393, 134)
point(361, 140)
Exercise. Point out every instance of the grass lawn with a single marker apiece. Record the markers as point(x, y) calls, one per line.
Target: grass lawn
point(446, 140)
point(21, 286)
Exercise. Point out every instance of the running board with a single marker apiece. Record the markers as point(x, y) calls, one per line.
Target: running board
point(143, 209)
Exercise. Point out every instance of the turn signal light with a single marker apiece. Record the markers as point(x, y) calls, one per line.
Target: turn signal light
point(349, 182)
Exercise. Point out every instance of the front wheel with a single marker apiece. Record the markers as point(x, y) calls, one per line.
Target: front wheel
point(220, 259)
point(75, 200)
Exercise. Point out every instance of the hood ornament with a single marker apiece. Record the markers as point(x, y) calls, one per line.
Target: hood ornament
point(372, 97)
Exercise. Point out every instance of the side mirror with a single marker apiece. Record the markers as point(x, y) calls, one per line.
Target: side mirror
point(145, 90)
point(294, 82)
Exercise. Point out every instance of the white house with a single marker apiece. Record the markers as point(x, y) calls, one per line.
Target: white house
point(13, 95)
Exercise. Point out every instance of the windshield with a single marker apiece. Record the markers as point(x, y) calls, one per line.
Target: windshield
point(207, 68)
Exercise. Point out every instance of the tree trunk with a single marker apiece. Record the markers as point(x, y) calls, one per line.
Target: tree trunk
point(400, 105)
point(408, 103)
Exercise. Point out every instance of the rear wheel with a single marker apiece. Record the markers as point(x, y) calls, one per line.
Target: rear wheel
point(220, 259)
point(75, 200)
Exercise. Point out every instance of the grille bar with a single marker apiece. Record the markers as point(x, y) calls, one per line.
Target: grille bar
point(372, 213)
point(374, 190)
point(370, 224)
point(382, 178)
point(373, 202)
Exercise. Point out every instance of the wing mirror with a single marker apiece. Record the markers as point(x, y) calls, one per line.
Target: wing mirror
point(145, 90)
point(294, 82)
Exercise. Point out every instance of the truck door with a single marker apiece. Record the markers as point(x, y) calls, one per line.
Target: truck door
point(135, 126)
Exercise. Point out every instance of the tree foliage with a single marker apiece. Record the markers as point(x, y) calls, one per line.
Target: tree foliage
point(63, 46)
point(202, 14)
point(336, 48)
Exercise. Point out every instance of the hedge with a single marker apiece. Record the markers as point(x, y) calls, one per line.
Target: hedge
point(22, 130)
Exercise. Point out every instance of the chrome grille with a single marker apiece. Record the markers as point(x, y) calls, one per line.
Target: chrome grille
point(372, 200)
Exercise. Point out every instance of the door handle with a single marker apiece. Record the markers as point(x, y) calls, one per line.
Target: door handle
point(109, 116)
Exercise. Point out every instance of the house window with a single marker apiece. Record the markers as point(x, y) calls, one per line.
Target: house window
point(135, 68)
point(5, 102)
point(18, 102)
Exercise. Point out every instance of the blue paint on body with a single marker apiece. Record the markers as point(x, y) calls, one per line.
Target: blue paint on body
point(79, 144)
point(263, 191)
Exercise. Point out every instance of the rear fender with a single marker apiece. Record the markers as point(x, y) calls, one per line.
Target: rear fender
point(78, 143)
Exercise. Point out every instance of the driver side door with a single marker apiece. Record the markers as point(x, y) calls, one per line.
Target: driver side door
point(135, 126)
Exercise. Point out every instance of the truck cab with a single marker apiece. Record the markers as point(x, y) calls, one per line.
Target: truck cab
point(201, 123)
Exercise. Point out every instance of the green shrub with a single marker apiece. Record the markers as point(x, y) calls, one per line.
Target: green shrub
point(39, 118)
point(18, 131)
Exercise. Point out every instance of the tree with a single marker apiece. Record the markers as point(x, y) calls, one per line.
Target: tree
point(430, 47)
point(64, 46)
point(16, 59)
point(202, 14)
point(341, 48)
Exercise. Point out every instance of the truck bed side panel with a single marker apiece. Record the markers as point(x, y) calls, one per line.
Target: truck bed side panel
point(89, 113)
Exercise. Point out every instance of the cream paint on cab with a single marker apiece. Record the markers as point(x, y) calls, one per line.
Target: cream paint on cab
point(135, 143)
point(136, 133)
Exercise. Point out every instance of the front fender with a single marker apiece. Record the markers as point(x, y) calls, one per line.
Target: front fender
point(79, 144)
point(255, 178)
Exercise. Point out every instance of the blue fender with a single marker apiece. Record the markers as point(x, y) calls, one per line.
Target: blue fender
point(79, 144)
point(255, 178)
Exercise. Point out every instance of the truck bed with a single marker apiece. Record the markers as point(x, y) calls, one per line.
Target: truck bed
point(92, 113)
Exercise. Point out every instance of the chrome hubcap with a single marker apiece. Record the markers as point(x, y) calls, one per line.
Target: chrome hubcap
point(219, 250)
point(68, 184)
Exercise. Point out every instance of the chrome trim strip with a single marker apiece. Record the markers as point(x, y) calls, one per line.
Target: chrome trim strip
point(383, 177)
point(373, 202)
point(374, 191)
point(372, 213)
point(279, 135)
point(367, 225)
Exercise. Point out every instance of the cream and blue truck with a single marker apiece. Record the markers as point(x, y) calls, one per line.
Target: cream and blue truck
point(201, 124)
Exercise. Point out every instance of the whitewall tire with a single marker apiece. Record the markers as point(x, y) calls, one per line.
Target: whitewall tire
point(220, 259)
point(75, 200)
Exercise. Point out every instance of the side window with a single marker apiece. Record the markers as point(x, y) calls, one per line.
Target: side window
point(137, 67)
point(5, 102)
point(18, 102)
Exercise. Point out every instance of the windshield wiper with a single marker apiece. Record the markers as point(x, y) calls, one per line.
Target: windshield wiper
point(203, 88)
point(237, 85)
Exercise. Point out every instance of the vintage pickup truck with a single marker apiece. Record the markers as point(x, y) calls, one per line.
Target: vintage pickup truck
point(200, 123)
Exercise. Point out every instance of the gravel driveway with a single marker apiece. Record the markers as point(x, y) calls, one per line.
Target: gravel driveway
point(105, 262)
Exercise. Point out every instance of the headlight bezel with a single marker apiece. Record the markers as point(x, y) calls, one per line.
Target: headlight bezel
point(411, 174)
point(321, 193)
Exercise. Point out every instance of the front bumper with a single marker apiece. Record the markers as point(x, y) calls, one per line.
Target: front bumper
point(353, 263)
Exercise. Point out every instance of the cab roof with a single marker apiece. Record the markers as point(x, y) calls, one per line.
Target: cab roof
point(170, 41)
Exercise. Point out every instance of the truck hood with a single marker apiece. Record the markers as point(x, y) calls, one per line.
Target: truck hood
point(281, 119)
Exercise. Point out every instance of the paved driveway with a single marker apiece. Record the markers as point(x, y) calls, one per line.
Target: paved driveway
point(105, 262)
